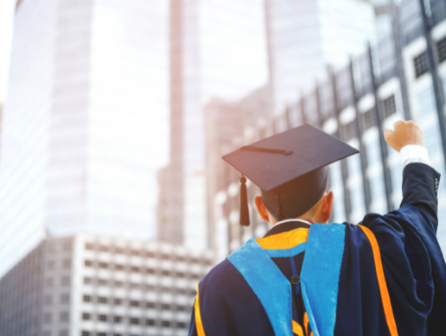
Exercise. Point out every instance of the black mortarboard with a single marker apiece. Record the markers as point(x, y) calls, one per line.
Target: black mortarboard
point(290, 168)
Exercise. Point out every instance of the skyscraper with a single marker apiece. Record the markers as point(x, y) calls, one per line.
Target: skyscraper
point(304, 37)
point(85, 124)
point(218, 49)
point(355, 104)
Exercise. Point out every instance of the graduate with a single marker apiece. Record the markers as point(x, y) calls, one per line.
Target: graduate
point(383, 276)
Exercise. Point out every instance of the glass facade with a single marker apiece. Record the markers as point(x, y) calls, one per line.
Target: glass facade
point(372, 89)
point(85, 126)
point(333, 31)
point(211, 31)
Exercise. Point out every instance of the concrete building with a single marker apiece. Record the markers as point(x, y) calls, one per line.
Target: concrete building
point(355, 104)
point(90, 286)
point(85, 122)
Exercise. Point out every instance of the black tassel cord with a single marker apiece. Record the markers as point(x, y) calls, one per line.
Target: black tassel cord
point(244, 209)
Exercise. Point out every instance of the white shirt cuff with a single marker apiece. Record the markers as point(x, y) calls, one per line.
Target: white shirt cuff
point(414, 153)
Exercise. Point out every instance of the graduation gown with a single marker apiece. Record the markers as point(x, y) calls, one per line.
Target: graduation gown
point(386, 276)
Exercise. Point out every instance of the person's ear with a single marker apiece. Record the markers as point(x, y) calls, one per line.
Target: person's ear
point(327, 206)
point(261, 209)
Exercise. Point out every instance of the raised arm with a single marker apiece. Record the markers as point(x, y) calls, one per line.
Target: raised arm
point(420, 181)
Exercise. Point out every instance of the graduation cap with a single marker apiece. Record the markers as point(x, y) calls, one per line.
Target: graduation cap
point(290, 168)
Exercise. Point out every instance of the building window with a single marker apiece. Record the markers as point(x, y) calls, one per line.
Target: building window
point(88, 263)
point(89, 246)
point(102, 318)
point(181, 325)
point(420, 64)
point(150, 322)
point(63, 317)
point(118, 302)
point(86, 333)
point(373, 152)
point(389, 106)
point(134, 285)
point(103, 248)
point(119, 283)
point(47, 318)
point(50, 264)
point(165, 323)
point(101, 334)
point(441, 50)
point(134, 320)
point(66, 263)
point(134, 269)
point(180, 308)
point(66, 246)
point(368, 119)
point(88, 281)
point(134, 303)
point(87, 298)
point(49, 282)
point(348, 131)
point(377, 188)
point(65, 298)
point(102, 299)
point(117, 319)
point(103, 265)
point(119, 250)
point(119, 267)
point(48, 300)
point(102, 282)
point(65, 281)
point(150, 305)
point(86, 316)
point(135, 252)
point(165, 306)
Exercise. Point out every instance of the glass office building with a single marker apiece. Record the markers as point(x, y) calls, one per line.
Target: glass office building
point(394, 79)
point(85, 122)
point(218, 48)
point(305, 36)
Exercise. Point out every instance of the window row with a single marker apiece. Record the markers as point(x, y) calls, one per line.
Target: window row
point(117, 319)
point(66, 263)
point(141, 270)
point(144, 253)
point(64, 281)
point(62, 317)
point(132, 303)
point(132, 285)
point(63, 298)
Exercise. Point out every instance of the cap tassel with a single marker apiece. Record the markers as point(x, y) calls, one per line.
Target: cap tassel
point(244, 209)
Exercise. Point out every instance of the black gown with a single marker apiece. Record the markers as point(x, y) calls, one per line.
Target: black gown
point(386, 276)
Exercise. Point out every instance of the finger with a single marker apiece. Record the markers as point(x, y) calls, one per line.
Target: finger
point(398, 123)
point(388, 134)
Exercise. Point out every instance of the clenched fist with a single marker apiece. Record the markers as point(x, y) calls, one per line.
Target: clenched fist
point(405, 133)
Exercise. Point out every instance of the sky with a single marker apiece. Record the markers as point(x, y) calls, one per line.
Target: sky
point(6, 24)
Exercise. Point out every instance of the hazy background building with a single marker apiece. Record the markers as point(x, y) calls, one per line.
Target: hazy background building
point(355, 103)
point(306, 36)
point(85, 123)
point(218, 49)
point(93, 286)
